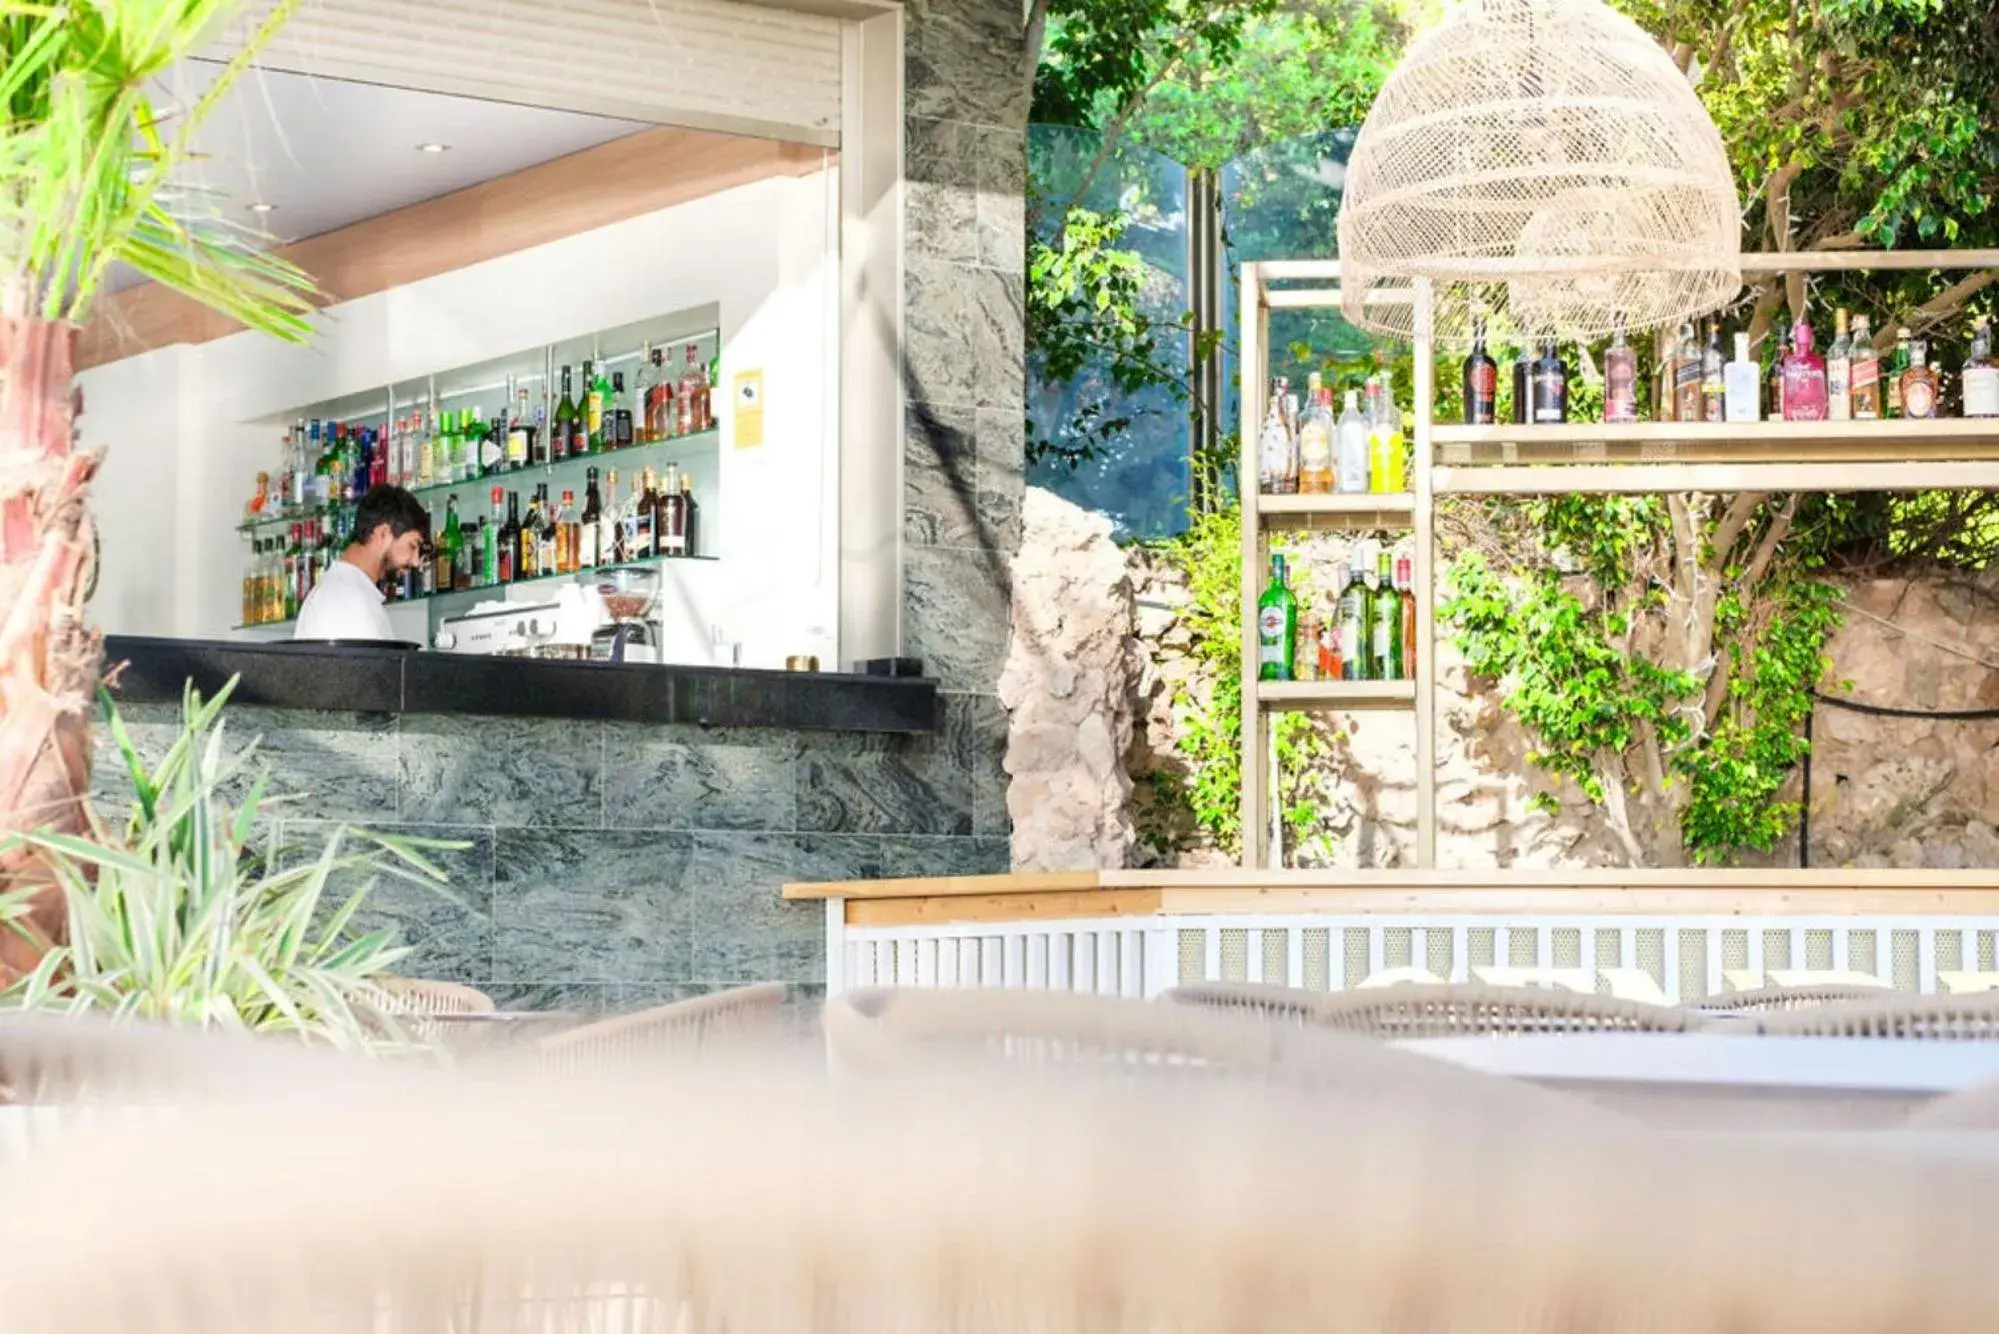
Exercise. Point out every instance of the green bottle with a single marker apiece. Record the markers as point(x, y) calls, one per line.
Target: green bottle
point(596, 405)
point(1276, 627)
point(563, 431)
point(1356, 621)
point(1385, 653)
point(447, 547)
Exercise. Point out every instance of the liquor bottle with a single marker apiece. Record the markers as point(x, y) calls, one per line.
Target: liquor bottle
point(465, 565)
point(1804, 378)
point(667, 519)
point(545, 561)
point(1355, 614)
point(564, 549)
point(492, 535)
point(692, 397)
point(1351, 445)
point(1620, 380)
point(527, 561)
point(656, 498)
point(1713, 385)
point(690, 515)
point(1522, 381)
point(1481, 378)
point(1405, 594)
point(624, 428)
point(1742, 384)
point(490, 439)
point(520, 435)
point(1386, 646)
point(659, 400)
point(642, 382)
point(1919, 383)
point(1980, 382)
point(1385, 440)
point(1865, 372)
point(591, 534)
point(1898, 366)
point(290, 564)
point(1550, 386)
point(588, 436)
point(445, 446)
point(562, 431)
point(604, 426)
point(1780, 352)
point(1315, 440)
point(447, 546)
point(1839, 370)
point(1276, 627)
point(1275, 451)
point(510, 539)
point(1687, 405)
point(613, 538)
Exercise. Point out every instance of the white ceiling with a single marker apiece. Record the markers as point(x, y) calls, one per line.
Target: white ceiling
point(328, 153)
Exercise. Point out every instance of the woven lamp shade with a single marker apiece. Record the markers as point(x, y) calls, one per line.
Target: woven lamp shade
point(1546, 161)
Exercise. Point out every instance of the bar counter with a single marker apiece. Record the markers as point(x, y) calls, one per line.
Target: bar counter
point(389, 680)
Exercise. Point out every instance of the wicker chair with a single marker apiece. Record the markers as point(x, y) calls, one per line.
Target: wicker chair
point(681, 1028)
point(770, 1197)
point(1970, 1018)
point(414, 1004)
point(1457, 1009)
point(1758, 1000)
point(888, 1030)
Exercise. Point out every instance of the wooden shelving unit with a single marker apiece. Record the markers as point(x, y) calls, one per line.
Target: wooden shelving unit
point(1633, 458)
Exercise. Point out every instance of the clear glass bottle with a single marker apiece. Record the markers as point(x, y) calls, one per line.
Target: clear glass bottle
point(691, 398)
point(1865, 372)
point(521, 445)
point(1274, 450)
point(1742, 384)
point(1919, 383)
point(1804, 377)
point(1620, 380)
point(1385, 442)
point(642, 382)
point(1714, 387)
point(1839, 370)
point(1351, 445)
point(1315, 440)
point(1980, 382)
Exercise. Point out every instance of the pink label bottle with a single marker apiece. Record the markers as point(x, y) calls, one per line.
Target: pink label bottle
point(1804, 378)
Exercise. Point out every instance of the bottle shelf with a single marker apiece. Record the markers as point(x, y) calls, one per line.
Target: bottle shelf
point(1341, 511)
point(1298, 696)
point(1895, 454)
point(569, 472)
point(498, 591)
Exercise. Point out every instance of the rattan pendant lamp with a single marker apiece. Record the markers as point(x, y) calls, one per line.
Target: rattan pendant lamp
point(1546, 161)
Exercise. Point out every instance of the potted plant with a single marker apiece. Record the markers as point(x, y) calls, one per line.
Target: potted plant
point(87, 180)
point(190, 912)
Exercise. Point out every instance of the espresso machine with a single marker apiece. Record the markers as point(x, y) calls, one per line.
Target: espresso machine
point(565, 626)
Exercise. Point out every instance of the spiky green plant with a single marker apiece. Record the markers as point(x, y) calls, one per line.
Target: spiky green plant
point(88, 155)
point(181, 916)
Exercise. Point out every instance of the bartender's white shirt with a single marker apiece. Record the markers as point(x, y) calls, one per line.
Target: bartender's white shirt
point(343, 605)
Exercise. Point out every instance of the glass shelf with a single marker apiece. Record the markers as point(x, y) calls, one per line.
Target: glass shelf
point(571, 470)
point(499, 590)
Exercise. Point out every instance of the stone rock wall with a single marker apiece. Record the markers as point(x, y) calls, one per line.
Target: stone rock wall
point(1884, 790)
point(1068, 687)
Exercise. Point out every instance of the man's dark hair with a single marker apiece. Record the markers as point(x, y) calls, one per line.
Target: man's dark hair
point(389, 505)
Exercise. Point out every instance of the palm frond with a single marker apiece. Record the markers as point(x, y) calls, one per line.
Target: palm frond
point(87, 163)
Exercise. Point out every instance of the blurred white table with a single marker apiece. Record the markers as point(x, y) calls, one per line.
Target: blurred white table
point(1720, 1060)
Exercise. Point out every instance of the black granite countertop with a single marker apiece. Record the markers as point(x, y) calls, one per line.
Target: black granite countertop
point(390, 680)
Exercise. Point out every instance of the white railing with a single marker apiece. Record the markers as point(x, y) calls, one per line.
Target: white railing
point(1686, 956)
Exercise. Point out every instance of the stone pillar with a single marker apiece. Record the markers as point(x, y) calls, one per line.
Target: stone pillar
point(964, 362)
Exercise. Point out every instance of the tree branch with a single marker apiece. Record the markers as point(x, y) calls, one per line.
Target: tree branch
point(1037, 28)
point(1752, 575)
point(1729, 531)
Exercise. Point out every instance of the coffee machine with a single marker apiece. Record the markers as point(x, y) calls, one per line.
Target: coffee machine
point(565, 626)
point(631, 632)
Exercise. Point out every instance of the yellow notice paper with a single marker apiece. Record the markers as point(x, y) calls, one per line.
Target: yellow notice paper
point(749, 413)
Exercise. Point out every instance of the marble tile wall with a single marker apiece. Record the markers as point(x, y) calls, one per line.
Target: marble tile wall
point(609, 866)
point(964, 358)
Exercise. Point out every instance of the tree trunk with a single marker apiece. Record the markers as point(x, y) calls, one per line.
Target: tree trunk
point(48, 656)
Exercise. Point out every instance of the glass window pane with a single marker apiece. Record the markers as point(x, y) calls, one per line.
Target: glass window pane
point(1137, 473)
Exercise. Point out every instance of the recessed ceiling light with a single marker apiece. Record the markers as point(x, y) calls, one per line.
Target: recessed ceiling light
point(263, 208)
point(433, 148)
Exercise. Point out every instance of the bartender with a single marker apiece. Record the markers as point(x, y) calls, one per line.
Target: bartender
point(391, 532)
